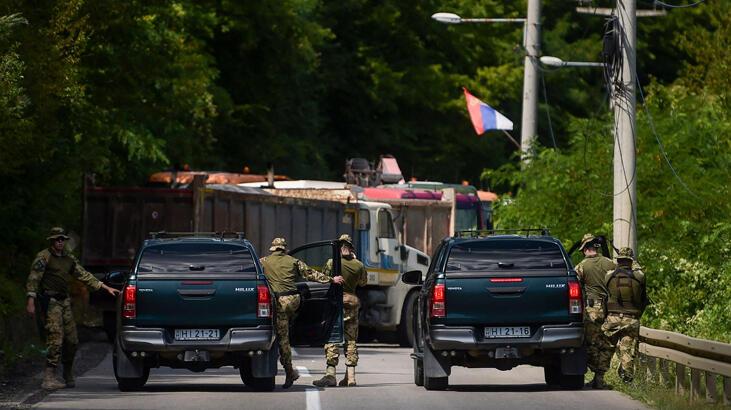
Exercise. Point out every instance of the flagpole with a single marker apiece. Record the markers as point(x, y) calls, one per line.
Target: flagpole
point(511, 138)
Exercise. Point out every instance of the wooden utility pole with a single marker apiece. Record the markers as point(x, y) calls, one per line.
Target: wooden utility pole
point(532, 35)
point(625, 132)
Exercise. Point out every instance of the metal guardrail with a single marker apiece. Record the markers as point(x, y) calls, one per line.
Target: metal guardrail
point(708, 361)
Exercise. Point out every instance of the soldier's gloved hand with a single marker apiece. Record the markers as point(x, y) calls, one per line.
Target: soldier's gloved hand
point(111, 291)
point(31, 307)
point(338, 280)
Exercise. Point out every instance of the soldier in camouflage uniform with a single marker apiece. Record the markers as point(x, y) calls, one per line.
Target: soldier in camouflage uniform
point(354, 275)
point(281, 271)
point(50, 274)
point(627, 300)
point(591, 272)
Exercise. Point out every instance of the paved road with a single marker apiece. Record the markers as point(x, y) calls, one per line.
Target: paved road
point(385, 381)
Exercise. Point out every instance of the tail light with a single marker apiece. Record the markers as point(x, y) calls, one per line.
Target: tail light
point(129, 304)
point(438, 307)
point(264, 301)
point(575, 301)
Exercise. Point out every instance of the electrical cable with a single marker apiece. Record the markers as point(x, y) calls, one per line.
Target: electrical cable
point(683, 6)
point(548, 112)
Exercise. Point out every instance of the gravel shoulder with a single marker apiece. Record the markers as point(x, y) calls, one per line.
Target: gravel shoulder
point(22, 388)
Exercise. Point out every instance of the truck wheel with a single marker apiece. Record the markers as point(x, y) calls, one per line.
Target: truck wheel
point(572, 381)
point(436, 383)
point(256, 383)
point(406, 327)
point(130, 383)
point(552, 374)
point(418, 372)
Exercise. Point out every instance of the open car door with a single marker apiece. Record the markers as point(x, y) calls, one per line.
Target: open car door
point(320, 316)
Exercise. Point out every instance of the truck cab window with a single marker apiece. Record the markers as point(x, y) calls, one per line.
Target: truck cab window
point(385, 225)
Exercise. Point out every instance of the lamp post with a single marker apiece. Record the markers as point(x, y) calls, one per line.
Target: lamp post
point(557, 62)
point(532, 46)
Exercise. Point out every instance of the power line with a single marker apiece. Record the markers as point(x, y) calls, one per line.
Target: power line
point(548, 113)
point(683, 6)
point(660, 144)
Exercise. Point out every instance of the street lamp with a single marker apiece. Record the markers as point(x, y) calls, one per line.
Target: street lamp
point(531, 44)
point(557, 62)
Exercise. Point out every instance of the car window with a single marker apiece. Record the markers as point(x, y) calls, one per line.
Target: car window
point(196, 257)
point(385, 225)
point(505, 256)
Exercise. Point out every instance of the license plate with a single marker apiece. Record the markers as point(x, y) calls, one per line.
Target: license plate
point(507, 331)
point(196, 334)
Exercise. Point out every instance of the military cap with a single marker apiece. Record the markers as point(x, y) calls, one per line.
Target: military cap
point(278, 244)
point(587, 239)
point(626, 253)
point(57, 232)
point(346, 239)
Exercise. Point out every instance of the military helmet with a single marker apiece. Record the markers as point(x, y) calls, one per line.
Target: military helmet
point(626, 253)
point(278, 244)
point(345, 238)
point(57, 232)
point(587, 239)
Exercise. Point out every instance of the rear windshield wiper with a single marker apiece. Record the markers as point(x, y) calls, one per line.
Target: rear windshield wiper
point(505, 265)
point(197, 267)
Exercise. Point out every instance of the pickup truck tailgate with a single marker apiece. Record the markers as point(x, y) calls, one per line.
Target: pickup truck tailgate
point(485, 300)
point(196, 302)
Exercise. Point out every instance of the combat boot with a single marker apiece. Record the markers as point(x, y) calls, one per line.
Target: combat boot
point(292, 375)
point(598, 382)
point(68, 374)
point(49, 380)
point(349, 379)
point(624, 375)
point(328, 380)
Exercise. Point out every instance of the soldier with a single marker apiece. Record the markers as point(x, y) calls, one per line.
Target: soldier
point(627, 300)
point(281, 271)
point(591, 272)
point(50, 274)
point(354, 275)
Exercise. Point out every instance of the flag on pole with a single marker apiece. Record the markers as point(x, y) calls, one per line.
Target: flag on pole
point(485, 117)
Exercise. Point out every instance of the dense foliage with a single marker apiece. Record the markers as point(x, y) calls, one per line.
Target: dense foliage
point(121, 89)
point(684, 213)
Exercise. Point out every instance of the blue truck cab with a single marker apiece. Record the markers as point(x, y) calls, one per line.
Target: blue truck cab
point(499, 300)
point(200, 302)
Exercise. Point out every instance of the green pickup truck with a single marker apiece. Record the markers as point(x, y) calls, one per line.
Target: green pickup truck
point(499, 301)
point(197, 302)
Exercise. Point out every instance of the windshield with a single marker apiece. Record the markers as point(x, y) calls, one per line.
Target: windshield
point(505, 256)
point(196, 257)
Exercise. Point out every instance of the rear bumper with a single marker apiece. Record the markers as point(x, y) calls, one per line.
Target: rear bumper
point(159, 340)
point(546, 337)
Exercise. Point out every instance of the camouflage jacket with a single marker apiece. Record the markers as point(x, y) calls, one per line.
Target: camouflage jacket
point(51, 272)
point(353, 272)
point(282, 271)
point(591, 272)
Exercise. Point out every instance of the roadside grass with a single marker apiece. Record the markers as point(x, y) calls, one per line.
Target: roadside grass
point(657, 394)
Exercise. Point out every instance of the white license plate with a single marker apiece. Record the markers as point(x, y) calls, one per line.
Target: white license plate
point(196, 334)
point(507, 331)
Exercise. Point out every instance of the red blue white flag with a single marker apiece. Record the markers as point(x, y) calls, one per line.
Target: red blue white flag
point(485, 117)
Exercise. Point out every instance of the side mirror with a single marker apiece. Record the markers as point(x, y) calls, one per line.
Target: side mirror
point(412, 277)
point(115, 279)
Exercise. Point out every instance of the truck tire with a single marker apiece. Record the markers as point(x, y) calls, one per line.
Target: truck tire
point(552, 374)
point(130, 383)
point(572, 381)
point(261, 384)
point(418, 372)
point(406, 327)
point(436, 383)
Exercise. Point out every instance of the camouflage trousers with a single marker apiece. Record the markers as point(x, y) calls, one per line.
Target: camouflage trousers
point(598, 348)
point(351, 304)
point(61, 337)
point(623, 332)
point(286, 310)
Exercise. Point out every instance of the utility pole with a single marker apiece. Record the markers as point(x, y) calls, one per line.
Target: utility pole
point(532, 45)
point(623, 104)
